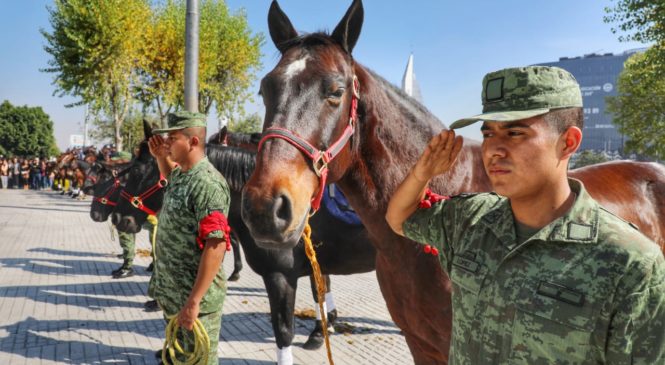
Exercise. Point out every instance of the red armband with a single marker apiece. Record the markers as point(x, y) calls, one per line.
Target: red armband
point(215, 221)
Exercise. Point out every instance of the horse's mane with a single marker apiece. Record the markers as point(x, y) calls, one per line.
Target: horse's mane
point(237, 138)
point(308, 40)
point(235, 164)
point(413, 103)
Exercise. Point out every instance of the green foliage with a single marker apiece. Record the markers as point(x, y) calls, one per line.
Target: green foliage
point(588, 157)
point(131, 131)
point(642, 21)
point(228, 57)
point(26, 131)
point(249, 124)
point(96, 47)
point(639, 107)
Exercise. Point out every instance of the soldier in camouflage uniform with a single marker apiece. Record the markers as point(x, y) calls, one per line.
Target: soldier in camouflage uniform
point(541, 273)
point(192, 234)
point(127, 240)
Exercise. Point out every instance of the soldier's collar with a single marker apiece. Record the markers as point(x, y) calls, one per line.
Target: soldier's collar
point(579, 225)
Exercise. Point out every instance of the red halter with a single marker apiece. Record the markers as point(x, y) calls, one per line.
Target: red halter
point(137, 201)
point(320, 159)
point(105, 199)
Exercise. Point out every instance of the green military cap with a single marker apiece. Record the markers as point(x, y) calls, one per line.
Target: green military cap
point(519, 93)
point(182, 120)
point(122, 156)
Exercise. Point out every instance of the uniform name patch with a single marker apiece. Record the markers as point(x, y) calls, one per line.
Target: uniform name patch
point(561, 293)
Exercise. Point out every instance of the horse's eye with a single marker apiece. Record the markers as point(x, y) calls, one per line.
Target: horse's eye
point(337, 93)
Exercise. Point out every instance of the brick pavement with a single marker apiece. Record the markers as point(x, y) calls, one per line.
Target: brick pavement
point(58, 304)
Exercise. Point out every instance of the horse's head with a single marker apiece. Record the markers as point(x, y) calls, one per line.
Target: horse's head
point(310, 99)
point(143, 193)
point(106, 194)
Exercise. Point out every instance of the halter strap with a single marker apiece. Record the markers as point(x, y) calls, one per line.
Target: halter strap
point(105, 200)
point(137, 201)
point(319, 158)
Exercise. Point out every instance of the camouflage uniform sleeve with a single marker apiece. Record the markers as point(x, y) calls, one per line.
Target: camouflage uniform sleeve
point(433, 226)
point(637, 330)
point(211, 196)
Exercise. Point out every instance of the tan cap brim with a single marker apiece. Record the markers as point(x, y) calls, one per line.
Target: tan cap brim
point(499, 117)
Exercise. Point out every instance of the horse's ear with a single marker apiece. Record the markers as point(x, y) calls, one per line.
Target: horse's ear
point(281, 29)
point(221, 136)
point(347, 31)
point(147, 129)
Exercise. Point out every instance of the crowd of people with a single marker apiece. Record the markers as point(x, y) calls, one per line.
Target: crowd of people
point(26, 173)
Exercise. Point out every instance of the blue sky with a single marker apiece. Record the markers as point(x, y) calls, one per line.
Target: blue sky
point(454, 44)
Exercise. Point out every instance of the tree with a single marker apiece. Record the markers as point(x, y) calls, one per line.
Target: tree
point(642, 21)
point(96, 47)
point(131, 131)
point(26, 131)
point(589, 157)
point(228, 56)
point(639, 108)
point(249, 124)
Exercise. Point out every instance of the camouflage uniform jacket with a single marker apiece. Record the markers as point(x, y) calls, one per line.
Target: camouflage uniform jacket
point(189, 197)
point(586, 289)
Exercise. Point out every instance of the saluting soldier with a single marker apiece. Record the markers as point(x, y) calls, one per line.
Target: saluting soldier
point(192, 234)
point(541, 273)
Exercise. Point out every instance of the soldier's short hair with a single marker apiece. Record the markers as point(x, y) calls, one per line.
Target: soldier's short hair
point(562, 119)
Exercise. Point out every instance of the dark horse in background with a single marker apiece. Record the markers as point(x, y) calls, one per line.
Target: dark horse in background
point(279, 269)
point(310, 94)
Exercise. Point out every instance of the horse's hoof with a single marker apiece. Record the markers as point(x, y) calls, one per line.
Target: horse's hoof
point(332, 317)
point(314, 342)
point(234, 276)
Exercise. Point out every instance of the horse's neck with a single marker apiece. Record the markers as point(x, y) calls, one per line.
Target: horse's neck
point(394, 132)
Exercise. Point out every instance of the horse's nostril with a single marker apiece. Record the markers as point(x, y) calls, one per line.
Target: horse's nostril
point(282, 212)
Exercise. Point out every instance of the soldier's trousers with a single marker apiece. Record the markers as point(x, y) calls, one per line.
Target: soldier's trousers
point(127, 242)
point(212, 322)
point(150, 227)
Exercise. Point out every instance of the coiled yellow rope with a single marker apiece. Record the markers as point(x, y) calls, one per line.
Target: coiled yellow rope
point(199, 356)
point(320, 285)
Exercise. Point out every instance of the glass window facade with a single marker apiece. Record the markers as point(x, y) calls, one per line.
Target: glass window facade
point(597, 76)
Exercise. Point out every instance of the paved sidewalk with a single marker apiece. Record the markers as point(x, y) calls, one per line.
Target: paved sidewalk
point(59, 305)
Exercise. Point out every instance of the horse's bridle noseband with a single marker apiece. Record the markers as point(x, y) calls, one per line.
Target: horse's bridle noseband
point(319, 158)
point(137, 201)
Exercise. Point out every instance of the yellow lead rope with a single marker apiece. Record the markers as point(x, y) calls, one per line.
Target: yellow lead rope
point(201, 344)
point(320, 285)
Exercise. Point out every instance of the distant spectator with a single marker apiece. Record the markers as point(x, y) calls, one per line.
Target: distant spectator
point(25, 173)
point(4, 172)
point(15, 172)
point(35, 174)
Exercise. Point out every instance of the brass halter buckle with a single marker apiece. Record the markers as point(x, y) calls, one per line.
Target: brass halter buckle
point(136, 202)
point(319, 165)
point(104, 201)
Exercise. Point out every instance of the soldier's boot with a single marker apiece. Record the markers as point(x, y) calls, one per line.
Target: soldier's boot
point(124, 271)
point(151, 306)
point(316, 339)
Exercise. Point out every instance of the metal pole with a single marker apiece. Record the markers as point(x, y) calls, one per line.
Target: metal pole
point(192, 56)
point(85, 126)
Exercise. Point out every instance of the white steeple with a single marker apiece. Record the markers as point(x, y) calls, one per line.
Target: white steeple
point(409, 83)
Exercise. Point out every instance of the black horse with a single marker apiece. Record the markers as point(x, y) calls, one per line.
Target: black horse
point(100, 172)
point(280, 269)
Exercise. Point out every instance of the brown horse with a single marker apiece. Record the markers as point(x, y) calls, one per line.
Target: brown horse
point(311, 104)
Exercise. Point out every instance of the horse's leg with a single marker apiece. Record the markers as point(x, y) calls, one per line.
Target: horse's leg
point(282, 295)
point(315, 339)
point(237, 258)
